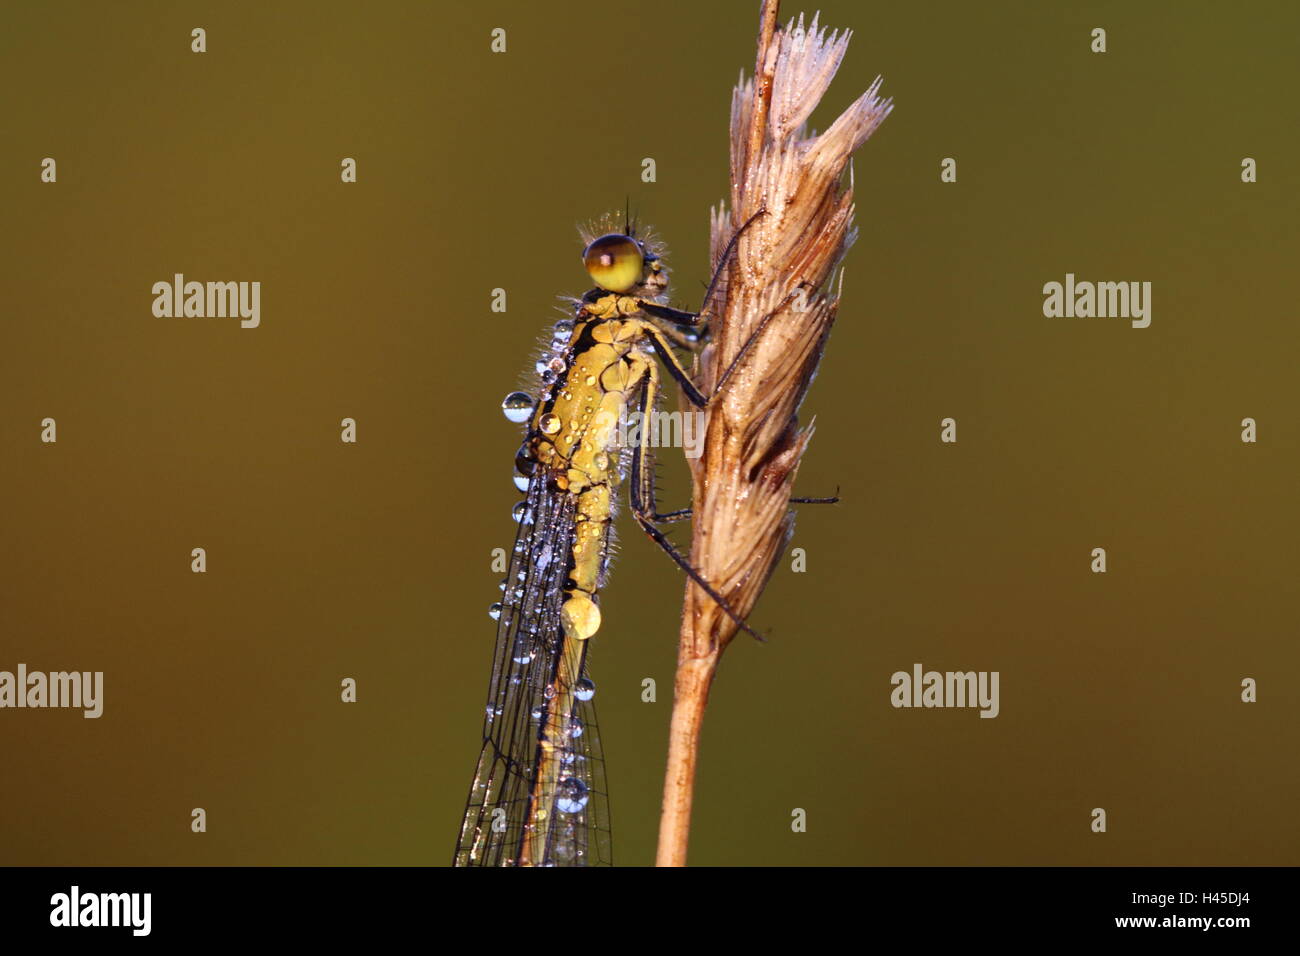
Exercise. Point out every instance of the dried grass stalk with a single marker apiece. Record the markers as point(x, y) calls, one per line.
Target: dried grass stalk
point(778, 285)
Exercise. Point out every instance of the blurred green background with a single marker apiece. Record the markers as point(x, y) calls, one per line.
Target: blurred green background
point(372, 560)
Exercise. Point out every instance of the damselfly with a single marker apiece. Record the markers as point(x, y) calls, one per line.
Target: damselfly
point(538, 797)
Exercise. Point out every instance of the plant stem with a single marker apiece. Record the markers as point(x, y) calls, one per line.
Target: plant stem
point(772, 321)
point(690, 695)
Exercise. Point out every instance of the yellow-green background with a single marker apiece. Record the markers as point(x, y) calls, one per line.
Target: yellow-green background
point(328, 560)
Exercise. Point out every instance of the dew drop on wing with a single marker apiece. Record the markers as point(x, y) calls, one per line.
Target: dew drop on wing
point(585, 689)
point(521, 482)
point(494, 611)
point(525, 464)
point(572, 796)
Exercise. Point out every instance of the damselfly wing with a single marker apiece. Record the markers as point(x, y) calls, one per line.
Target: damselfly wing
point(504, 823)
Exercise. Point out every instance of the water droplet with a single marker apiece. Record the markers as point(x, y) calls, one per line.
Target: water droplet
point(585, 689)
point(550, 423)
point(557, 365)
point(572, 796)
point(518, 407)
point(590, 380)
point(521, 482)
point(524, 463)
point(494, 611)
point(576, 727)
point(517, 512)
point(549, 691)
point(504, 582)
point(549, 377)
point(542, 363)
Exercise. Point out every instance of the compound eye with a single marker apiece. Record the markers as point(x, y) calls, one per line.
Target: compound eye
point(616, 262)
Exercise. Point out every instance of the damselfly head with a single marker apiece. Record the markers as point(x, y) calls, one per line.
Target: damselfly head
point(617, 262)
